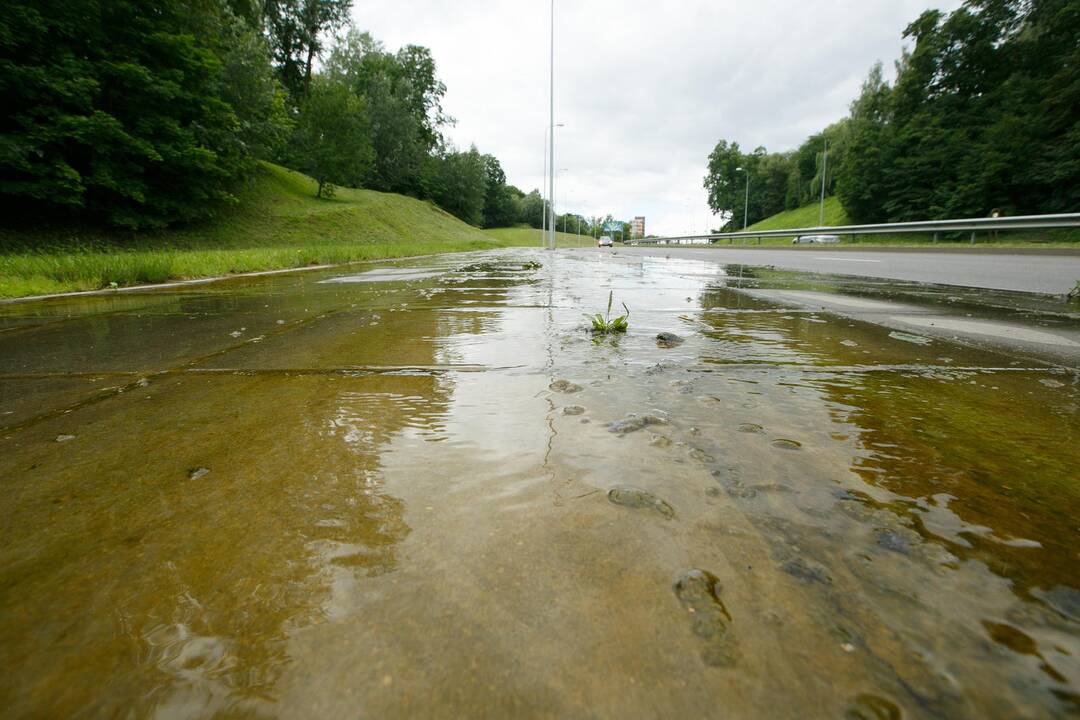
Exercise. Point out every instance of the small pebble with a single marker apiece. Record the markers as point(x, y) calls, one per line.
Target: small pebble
point(564, 386)
point(668, 340)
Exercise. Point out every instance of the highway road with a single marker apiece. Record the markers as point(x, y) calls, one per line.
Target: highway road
point(1026, 272)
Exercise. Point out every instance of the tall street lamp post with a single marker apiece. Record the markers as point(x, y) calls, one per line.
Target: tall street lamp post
point(551, 125)
point(544, 201)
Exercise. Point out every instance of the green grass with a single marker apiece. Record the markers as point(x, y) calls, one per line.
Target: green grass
point(807, 216)
point(530, 237)
point(278, 224)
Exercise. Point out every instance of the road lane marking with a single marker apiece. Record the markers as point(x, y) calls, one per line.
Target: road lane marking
point(827, 257)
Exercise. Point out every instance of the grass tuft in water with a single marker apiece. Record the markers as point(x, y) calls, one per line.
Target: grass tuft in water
point(603, 324)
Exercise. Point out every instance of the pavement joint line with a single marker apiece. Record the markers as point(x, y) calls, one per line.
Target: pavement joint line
point(720, 367)
point(107, 393)
point(385, 369)
point(352, 370)
point(101, 395)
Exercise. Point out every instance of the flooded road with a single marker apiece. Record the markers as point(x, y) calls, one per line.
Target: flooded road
point(423, 489)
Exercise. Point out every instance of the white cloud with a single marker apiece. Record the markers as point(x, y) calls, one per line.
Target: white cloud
point(646, 88)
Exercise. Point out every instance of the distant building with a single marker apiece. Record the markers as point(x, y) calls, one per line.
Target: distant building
point(637, 227)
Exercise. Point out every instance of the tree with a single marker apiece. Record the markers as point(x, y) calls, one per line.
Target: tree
point(456, 181)
point(403, 96)
point(861, 184)
point(729, 172)
point(723, 180)
point(1054, 173)
point(500, 209)
point(296, 29)
point(331, 142)
point(249, 87)
point(117, 111)
point(981, 116)
point(531, 210)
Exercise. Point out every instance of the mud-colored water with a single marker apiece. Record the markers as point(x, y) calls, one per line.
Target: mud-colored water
point(425, 490)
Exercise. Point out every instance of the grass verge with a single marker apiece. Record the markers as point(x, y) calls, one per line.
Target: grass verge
point(278, 224)
point(530, 237)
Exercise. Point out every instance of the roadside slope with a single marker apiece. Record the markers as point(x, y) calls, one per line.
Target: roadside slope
point(806, 216)
point(278, 223)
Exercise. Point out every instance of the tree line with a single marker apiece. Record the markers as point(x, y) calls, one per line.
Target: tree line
point(140, 115)
point(982, 117)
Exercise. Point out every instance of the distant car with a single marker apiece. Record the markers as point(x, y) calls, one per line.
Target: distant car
point(604, 241)
point(816, 240)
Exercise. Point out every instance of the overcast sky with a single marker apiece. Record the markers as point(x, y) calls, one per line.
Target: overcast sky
point(645, 87)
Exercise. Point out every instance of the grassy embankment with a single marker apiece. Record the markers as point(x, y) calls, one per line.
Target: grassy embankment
point(530, 237)
point(278, 224)
point(807, 216)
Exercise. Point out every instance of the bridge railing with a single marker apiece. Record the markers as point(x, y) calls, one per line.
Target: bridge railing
point(934, 227)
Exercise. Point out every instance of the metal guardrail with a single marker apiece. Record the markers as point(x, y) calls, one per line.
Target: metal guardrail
point(972, 225)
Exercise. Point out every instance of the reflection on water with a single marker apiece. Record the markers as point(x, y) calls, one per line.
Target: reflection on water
point(151, 589)
point(430, 492)
point(117, 558)
point(975, 446)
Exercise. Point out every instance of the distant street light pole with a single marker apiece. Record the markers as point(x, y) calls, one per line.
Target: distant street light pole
point(551, 125)
point(824, 168)
point(543, 201)
point(554, 215)
point(746, 205)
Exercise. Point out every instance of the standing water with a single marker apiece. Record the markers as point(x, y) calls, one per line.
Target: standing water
point(426, 490)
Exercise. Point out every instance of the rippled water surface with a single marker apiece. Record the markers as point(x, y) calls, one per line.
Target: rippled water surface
point(422, 489)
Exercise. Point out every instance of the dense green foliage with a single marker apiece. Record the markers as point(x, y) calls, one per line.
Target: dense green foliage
point(777, 181)
point(982, 117)
point(332, 138)
point(296, 29)
point(143, 115)
point(456, 181)
point(124, 112)
point(403, 96)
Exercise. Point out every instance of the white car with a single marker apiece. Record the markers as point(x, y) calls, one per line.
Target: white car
point(816, 239)
point(604, 241)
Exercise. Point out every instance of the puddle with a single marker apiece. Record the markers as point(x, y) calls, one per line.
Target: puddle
point(384, 275)
point(998, 330)
point(423, 489)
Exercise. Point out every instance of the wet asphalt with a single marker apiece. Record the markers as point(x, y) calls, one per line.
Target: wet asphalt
point(1049, 272)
